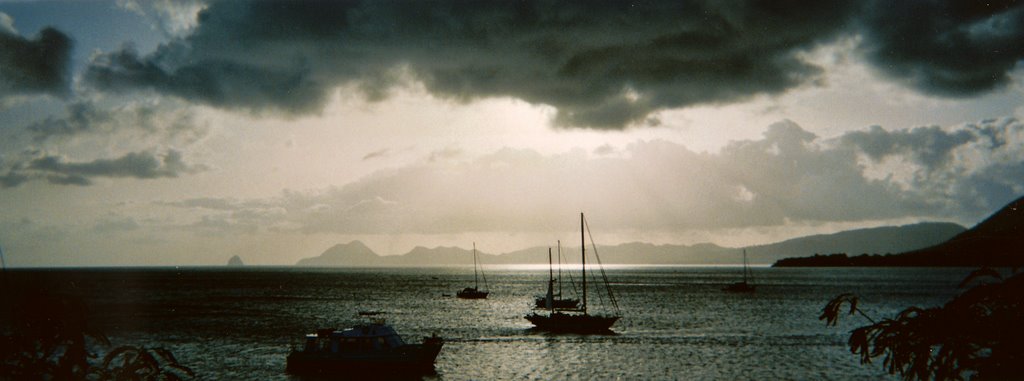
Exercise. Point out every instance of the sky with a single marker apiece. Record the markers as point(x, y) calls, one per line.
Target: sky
point(185, 132)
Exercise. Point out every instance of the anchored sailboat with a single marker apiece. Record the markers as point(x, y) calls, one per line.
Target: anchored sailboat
point(475, 292)
point(554, 299)
point(578, 320)
point(746, 285)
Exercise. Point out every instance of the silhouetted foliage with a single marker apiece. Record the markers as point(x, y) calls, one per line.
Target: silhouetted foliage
point(831, 311)
point(137, 363)
point(976, 335)
point(47, 337)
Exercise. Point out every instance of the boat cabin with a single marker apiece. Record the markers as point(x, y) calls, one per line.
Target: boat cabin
point(361, 338)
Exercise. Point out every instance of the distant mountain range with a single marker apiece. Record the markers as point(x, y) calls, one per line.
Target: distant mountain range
point(873, 240)
point(997, 241)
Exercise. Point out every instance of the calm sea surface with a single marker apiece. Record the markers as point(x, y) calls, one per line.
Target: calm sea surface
point(238, 324)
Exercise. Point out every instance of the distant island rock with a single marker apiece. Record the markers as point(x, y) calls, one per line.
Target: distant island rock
point(996, 242)
point(872, 240)
point(235, 261)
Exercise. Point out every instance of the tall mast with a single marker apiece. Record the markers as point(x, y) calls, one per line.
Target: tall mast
point(549, 299)
point(476, 281)
point(559, 267)
point(744, 265)
point(551, 271)
point(583, 255)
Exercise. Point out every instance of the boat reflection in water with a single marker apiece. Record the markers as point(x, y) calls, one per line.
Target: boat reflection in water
point(365, 351)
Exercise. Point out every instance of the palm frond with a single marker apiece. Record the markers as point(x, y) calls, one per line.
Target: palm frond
point(830, 313)
point(980, 273)
point(974, 335)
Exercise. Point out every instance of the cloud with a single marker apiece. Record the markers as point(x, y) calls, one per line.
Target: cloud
point(157, 122)
point(221, 226)
point(223, 82)
point(224, 216)
point(7, 24)
point(599, 64)
point(789, 176)
point(38, 66)
point(58, 170)
point(444, 154)
point(948, 48)
point(81, 117)
point(12, 179)
point(207, 203)
point(376, 154)
point(89, 126)
point(173, 17)
point(976, 166)
point(114, 224)
point(930, 147)
point(604, 150)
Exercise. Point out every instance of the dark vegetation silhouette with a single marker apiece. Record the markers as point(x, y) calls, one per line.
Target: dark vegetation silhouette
point(129, 362)
point(48, 337)
point(977, 335)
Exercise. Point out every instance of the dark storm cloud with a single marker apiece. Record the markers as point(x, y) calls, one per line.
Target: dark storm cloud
point(951, 48)
point(57, 170)
point(223, 82)
point(34, 66)
point(602, 64)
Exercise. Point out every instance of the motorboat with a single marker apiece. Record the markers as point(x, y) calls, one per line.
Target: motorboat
point(373, 350)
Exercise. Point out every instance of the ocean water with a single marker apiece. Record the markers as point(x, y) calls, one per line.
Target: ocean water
point(238, 324)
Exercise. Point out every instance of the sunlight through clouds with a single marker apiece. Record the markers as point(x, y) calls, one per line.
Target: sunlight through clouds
point(277, 125)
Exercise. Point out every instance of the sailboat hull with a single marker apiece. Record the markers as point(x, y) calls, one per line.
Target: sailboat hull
point(739, 287)
point(572, 323)
point(471, 293)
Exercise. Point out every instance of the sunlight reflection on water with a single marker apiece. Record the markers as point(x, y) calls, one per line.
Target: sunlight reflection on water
point(677, 323)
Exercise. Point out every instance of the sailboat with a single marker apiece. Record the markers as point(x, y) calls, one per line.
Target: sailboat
point(577, 320)
point(746, 285)
point(552, 299)
point(475, 292)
